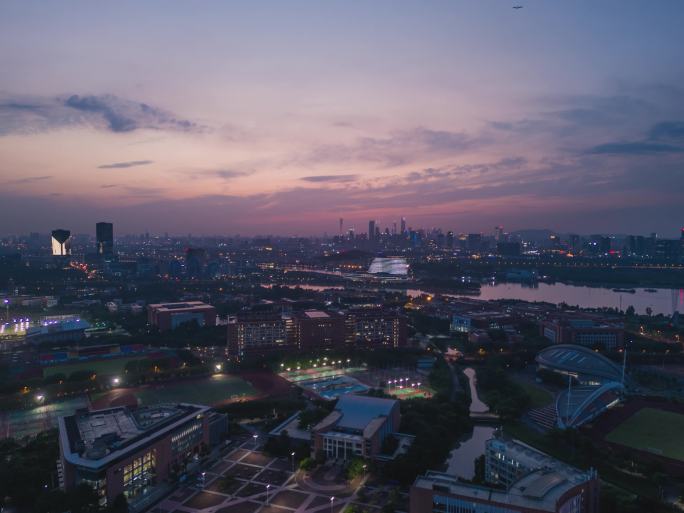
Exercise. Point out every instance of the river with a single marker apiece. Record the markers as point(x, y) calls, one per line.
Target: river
point(461, 460)
point(660, 301)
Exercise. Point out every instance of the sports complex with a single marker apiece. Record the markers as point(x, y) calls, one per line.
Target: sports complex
point(329, 382)
point(598, 400)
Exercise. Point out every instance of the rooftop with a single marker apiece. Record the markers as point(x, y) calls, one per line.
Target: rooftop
point(357, 413)
point(573, 358)
point(316, 314)
point(95, 438)
point(540, 488)
point(188, 305)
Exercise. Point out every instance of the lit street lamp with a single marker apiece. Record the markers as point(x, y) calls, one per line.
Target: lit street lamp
point(255, 436)
point(292, 455)
point(267, 487)
point(332, 501)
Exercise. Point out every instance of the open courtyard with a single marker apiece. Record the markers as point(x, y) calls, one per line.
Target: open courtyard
point(247, 480)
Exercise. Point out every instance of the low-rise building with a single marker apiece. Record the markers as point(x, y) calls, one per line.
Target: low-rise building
point(519, 479)
point(583, 331)
point(168, 316)
point(132, 451)
point(57, 331)
point(357, 427)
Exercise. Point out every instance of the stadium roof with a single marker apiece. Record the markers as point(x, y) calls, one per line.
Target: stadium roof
point(582, 404)
point(579, 360)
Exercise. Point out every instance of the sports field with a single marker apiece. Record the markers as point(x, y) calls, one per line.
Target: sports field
point(656, 431)
point(213, 390)
point(105, 367)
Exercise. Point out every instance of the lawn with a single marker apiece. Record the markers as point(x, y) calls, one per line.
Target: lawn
point(539, 396)
point(105, 367)
point(657, 431)
point(213, 390)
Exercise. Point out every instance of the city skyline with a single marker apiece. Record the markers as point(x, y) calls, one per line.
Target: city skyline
point(282, 119)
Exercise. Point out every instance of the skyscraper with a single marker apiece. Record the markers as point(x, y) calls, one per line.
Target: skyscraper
point(371, 230)
point(104, 234)
point(403, 225)
point(61, 242)
point(341, 226)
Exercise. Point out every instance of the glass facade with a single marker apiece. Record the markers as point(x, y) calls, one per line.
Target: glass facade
point(139, 474)
point(441, 504)
point(183, 441)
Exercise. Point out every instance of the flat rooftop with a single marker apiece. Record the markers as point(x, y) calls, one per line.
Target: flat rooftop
point(357, 413)
point(96, 438)
point(316, 314)
point(188, 305)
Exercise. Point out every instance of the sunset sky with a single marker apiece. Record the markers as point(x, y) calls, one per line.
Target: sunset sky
point(281, 117)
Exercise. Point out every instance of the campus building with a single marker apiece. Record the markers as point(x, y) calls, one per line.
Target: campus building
point(586, 332)
point(376, 327)
point(357, 427)
point(55, 332)
point(259, 331)
point(168, 316)
point(519, 479)
point(318, 329)
point(132, 451)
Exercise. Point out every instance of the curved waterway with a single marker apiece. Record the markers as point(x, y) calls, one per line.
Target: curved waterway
point(461, 460)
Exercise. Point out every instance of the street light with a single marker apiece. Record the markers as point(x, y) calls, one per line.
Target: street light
point(116, 381)
point(292, 454)
point(332, 500)
point(255, 436)
point(267, 487)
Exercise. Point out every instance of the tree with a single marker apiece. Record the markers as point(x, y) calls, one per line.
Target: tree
point(630, 311)
point(119, 504)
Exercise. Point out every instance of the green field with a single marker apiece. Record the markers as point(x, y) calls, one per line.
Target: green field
point(213, 390)
point(106, 367)
point(656, 431)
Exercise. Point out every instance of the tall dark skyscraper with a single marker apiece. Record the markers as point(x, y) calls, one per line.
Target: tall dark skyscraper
point(371, 230)
point(104, 234)
point(403, 225)
point(341, 226)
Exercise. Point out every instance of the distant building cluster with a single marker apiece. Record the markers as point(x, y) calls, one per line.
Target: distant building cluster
point(267, 328)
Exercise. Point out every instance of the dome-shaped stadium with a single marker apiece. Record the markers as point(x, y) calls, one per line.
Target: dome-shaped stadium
point(600, 383)
point(587, 366)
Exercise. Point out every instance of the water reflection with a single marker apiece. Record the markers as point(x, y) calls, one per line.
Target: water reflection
point(461, 460)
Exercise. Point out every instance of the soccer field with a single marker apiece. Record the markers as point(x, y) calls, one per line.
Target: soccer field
point(213, 390)
point(656, 431)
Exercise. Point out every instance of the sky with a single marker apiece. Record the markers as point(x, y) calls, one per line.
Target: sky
point(282, 117)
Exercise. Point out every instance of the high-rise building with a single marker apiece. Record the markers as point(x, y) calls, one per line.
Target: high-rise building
point(403, 225)
point(371, 230)
point(341, 226)
point(195, 259)
point(61, 242)
point(104, 234)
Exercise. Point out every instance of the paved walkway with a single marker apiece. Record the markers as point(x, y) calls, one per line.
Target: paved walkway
point(250, 481)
